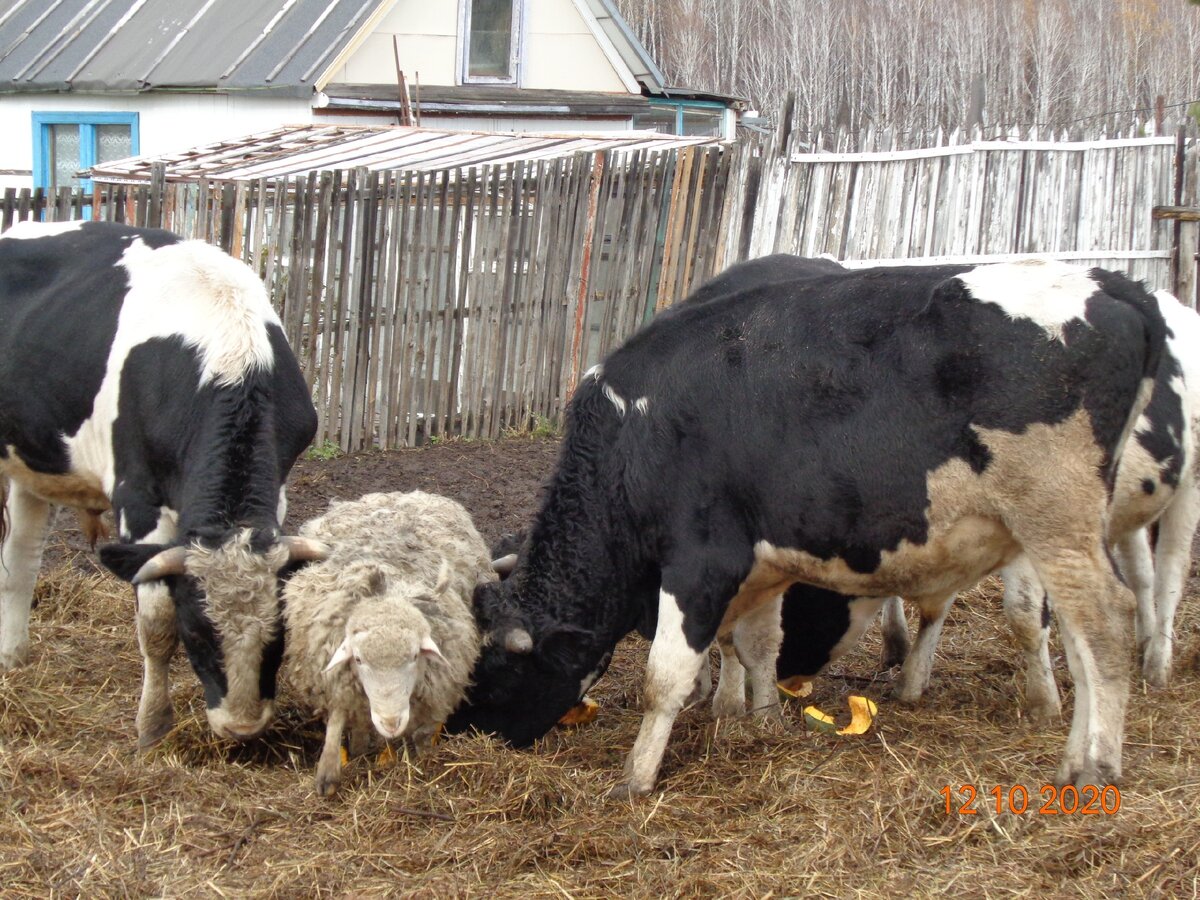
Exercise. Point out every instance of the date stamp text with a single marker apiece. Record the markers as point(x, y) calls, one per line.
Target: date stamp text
point(1068, 800)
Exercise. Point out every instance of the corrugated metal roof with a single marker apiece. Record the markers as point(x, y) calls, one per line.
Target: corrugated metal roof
point(137, 45)
point(302, 149)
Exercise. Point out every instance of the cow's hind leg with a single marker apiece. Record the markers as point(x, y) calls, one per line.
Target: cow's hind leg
point(895, 634)
point(1095, 616)
point(730, 699)
point(757, 637)
point(1176, 529)
point(1136, 563)
point(679, 650)
point(750, 646)
point(20, 559)
point(914, 677)
point(1027, 608)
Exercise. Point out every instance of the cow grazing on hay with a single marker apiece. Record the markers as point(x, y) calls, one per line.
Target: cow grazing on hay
point(150, 374)
point(878, 432)
point(1157, 484)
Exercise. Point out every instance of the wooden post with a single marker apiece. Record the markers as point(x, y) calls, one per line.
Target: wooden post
point(589, 238)
point(158, 186)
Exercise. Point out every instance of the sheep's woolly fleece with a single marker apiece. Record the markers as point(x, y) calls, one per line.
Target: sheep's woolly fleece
point(395, 543)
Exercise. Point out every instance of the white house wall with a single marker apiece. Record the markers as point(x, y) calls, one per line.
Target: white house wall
point(559, 51)
point(166, 122)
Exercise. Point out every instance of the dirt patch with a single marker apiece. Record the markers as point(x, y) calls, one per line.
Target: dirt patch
point(741, 810)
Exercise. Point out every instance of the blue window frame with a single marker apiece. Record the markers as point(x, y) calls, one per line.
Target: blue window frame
point(692, 117)
point(64, 142)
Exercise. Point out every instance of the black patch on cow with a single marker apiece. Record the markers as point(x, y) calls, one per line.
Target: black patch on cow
point(814, 622)
point(1164, 424)
point(1045, 610)
point(60, 298)
point(850, 389)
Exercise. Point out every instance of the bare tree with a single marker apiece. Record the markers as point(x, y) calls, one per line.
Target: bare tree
point(920, 65)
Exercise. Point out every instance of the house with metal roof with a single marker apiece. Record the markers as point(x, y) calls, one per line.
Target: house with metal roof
point(85, 82)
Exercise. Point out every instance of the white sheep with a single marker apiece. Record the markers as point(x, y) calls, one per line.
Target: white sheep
point(384, 624)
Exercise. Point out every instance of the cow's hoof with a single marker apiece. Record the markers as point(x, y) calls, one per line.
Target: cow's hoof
point(1043, 714)
point(154, 728)
point(728, 705)
point(14, 659)
point(1156, 669)
point(906, 694)
point(1092, 773)
point(626, 791)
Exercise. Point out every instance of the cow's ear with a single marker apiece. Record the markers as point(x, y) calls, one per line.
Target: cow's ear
point(126, 560)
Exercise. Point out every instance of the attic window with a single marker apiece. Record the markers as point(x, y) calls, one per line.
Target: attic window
point(491, 41)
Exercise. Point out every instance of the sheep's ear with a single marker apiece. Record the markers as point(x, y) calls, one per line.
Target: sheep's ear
point(429, 648)
point(340, 655)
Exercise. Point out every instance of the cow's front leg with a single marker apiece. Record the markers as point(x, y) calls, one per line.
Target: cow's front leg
point(20, 558)
point(157, 639)
point(671, 673)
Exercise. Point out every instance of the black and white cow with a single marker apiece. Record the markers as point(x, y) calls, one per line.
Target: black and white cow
point(151, 374)
point(1158, 483)
point(877, 432)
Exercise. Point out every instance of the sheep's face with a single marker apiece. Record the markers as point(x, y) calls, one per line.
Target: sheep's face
point(388, 666)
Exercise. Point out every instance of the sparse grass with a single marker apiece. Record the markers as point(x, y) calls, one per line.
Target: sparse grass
point(326, 450)
point(539, 427)
point(740, 812)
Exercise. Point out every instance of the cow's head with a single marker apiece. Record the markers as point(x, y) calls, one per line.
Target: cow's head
point(528, 674)
point(225, 592)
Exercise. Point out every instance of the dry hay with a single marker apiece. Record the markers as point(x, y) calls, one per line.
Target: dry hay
point(744, 812)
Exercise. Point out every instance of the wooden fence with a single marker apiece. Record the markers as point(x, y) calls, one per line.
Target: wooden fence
point(469, 302)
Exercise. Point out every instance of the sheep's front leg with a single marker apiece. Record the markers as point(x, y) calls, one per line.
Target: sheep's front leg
point(329, 768)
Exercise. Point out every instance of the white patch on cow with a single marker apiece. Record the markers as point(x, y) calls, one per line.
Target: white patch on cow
point(217, 305)
point(192, 291)
point(670, 674)
point(588, 680)
point(1047, 292)
point(163, 532)
point(28, 231)
point(616, 398)
point(281, 508)
point(594, 372)
point(642, 405)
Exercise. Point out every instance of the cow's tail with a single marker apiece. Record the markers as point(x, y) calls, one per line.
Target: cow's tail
point(1154, 330)
point(3, 510)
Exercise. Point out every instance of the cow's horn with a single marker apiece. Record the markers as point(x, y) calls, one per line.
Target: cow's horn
point(517, 640)
point(305, 549)
point(168, 562)
point(505, 564)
